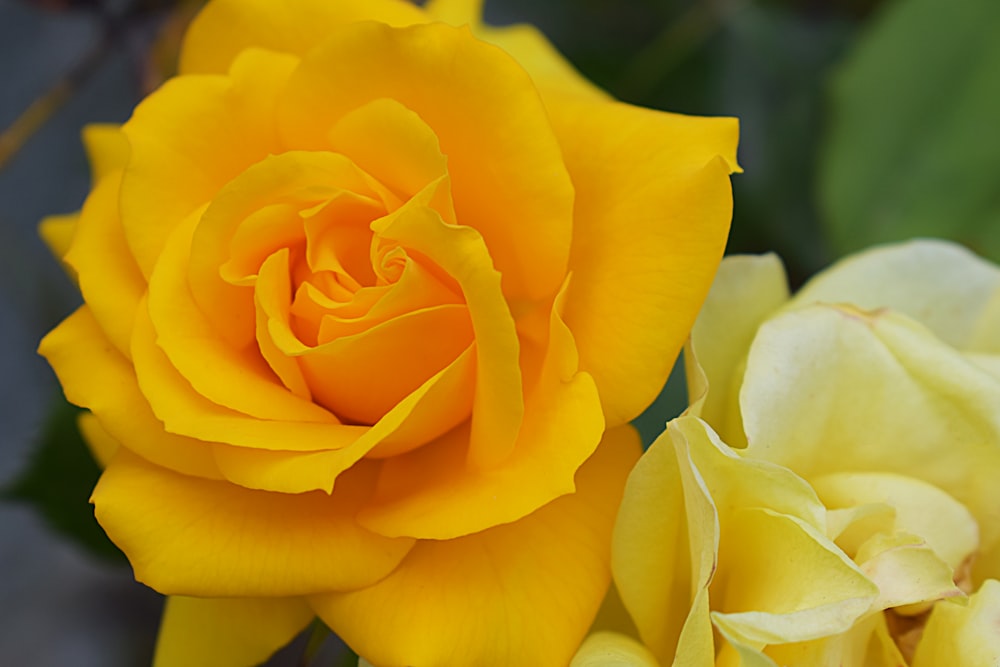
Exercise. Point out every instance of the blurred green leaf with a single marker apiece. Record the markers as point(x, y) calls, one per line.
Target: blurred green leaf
point(58, 482)
point(774, 63)
point(913, 149)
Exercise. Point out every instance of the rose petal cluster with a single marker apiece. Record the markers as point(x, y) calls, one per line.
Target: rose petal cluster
point(830, 496)
point(371, 291)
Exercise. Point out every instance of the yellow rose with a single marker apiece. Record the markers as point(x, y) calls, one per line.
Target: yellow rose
point(364, 291)
point(879, 384)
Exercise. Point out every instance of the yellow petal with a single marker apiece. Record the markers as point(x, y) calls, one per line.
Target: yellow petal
point(189, 138)
point(463, 254)
point(518, 594)
point(107, 150)
point(99, 441)
point(95, 375)
point(239, 379)
point(525, 193)
point(224, 28)
point(746, 290)
point(610, 649)
point(109, 278)
point(920, 509)
point(436, 492)
point(226, 632)
point(867, 643)
point(906, 572)
point(963, 633)
point(57, 232)
point(830, 389)
point(551, 72)
point(190, 536)
point(652, 210)
point(940, 284)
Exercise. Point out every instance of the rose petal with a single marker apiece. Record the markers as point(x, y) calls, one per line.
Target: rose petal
point(653, 205)
point(109, 278)
point(963, 633)
point(217, 127)
point(610, 649)
point(57, 232)
point(941, 285)
point(551, 72)
point(437, 493)
point(224, 28)
point(107, 150)
point(830, 389)
point(525, 190)
point(226, 632)
point(98, 440)
point(95, 375)
point(235, 378)
point(745, 291)
point(538, 583)
point(258, 543)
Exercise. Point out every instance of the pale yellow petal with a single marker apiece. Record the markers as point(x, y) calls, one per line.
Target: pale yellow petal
point(963, 633)
point(610, 649)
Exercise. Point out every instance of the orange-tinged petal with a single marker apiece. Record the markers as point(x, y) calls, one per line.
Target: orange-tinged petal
point(189, 536)
point(189, 138)
point(185, 411)
point(95, 375)
point(652, 211)
point(288, 183)
point(224, 28)
point(109, 278)
point(435, 492)
point(525, 192)
point(519, 594)
point(239, 379)
point(463, 254)
point(226, 632)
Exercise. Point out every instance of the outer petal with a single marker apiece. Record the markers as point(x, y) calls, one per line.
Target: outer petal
point(227, 632)
point(941, 285)
point(832, 389)
point(109, 278)
point(551, 72)
point(100, 443)
point(519, 594)
point(746, 290)
point(651, 217)
point(963, 633)
point(224, 28)
point(98, 377)
point(107, 150)
point(258, 543)
point(610, 649)
point(57, 231)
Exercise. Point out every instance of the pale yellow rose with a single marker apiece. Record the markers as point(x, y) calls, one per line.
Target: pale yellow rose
point(708, 543)
point(877, 383)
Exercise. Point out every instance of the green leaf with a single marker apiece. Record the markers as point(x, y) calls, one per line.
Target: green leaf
point(58, 482)
point(913, 148)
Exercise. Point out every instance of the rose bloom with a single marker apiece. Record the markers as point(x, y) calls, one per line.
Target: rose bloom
point(874, 395)
point(369, 302)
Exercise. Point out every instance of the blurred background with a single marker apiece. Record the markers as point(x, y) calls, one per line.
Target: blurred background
point(862, 121)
